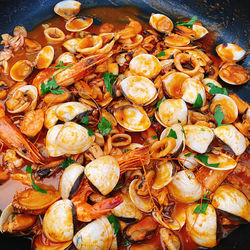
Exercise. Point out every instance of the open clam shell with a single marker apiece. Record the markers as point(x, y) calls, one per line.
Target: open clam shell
point(71, 44)
point(45, 57)
point(139, 90)
point(67, 8)
point(174, 40)
point(200, 31)
point(21, 70)
point(161, 23)
point(66, 57)
point(89, 44)
point(77, 24)
point(186, 158)
point(132, 118)
point(230, 52)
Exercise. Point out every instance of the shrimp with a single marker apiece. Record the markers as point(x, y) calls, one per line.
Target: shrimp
point(86, 212)
point(13, 139)
point(32, 122)
point(71, 74)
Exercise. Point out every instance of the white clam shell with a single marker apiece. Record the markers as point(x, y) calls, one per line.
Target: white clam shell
point(139, 90)
point(184, 187)
point(71, 44)
point(161, 23)
point(230, 52)
point(69, 177)
point(231, 200)
point(202, 227)
point(144, 204)
point(232, 137)
point(198, 138)
point(77, 24)
point(200, 31)
point(45, 57)
point(103, 173)
point(50, 119)
point(67, 8)
point(66, 57)
point(205, 81)
point(5, 215)
point(58, 221)
point(95, 236)
point(188, 161)
point(21, 70)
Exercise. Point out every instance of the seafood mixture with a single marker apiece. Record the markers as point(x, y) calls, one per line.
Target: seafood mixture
point(122, 136)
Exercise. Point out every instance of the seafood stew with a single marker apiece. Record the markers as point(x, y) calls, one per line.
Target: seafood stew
point(122, 135)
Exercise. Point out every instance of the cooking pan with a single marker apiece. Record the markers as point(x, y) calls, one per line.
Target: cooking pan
point(228, 18)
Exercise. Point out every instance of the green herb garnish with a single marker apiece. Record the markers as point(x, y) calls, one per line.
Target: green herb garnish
point(188, 154)
point(85, 120)
point(109, 79)
point(35, 187)
point(218, 116)
point(118, 186)
point(198, 102)
point(202, 129)
point(126, 150)
point(115, 223)
point(126, 243)
point(162, 53)
point(61, 66)
point(188, 24)
point(201, 208)
point(203, 158)
point(68, 161)
point(216, 90)
point(172, 134)
point(90, 131)
point(154, 137)
point(151, 119)
point(159, 103)
point(51, 86)
point(104, 126)
point(182, 129)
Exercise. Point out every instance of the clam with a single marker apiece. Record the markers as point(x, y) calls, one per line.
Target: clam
point(199, 30)
point(71, 44)
point(179, 141)
point(32, 202)
point(172, 111)
point(133, 42)
point(171, 241)
point(233, 74)
point(145, 65)
point(24, 99)
point(164, 172)
point(54, 35)
point(132, 118)
point(198, 138)
point(142, 203)
point(139, 90)
point(97, 234)
point(172, 84)
point(69, 138)
point(186, 158)
point(232, 138)
point(161, 23)
point(191, 88)
point(66, 57)
point(58, 221)
point(127, 210)
point(184, 31)
point(184, 187)
point(206, 81)
point(31, 45)
point(70, 180)
point(12, 222)
point(77, 24)
point(202, 227)
point(51, 119)
point(174, 40)
point(108, 41)
point(67, 8)
point(21, 70)
point(103, 173)
point(227, 105)
point(89, 44)
point(45, 57)
point(231, 200)
point(230, 52)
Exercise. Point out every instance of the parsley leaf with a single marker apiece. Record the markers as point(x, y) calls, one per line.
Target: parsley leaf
point(172, 134)
point(188, 24)
point(85, 120)
point(154, 137)
point(205, 196)
point(118, 186)
point(57, 91)
point(35, 187)
point(90, 131)
point(216, 90)
point(51, 86)
point(126, 150)
point(162, 53)
point(182, 129)
point(126, 243)
point(115, 223)
point(203, 158)
point(202, 129)
point(66, 163)
point(188, 154)
point(201, 208)
point(104, 126)
point(198, 102)
point(151, 119)
point(218, 116)
point(109, 79)
point(61, 66)
point(159, 103)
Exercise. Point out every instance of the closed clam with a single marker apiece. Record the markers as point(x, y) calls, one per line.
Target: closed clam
point(97, 234)
point(230, 52)
point(77, 24)
point(67, 9)
point(198, 138)
point(232, 138)
point(232, 201)
point(21, 70)
point(139, 90)
point(145, 65)
point(103, 173)
point(227, 105)
point(58, 221)
point(184, 187)
point(172, 111)
point(202, 227)
point(132, 118)
point(45, 57)
point(69, 138)
point(161, 23)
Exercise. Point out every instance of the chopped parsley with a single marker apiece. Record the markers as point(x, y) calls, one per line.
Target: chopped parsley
point(216, 90)
point(172, 134)
point(35, 187)
point(118, 186)
point(115, 223)
point(203, 158)
point(151, 119)
point(162, 53)
point(126, 243)
point(202, 129)
point(109, 79)
point(85, 120)
point(126, 150)
point(104, 126)
point(159, 103)
point(68, 161)
point(61, 66)
point(90, 131)
point(218, 116)
point(182, 129)
point(188, 24)
point(198, 102)
point(203, 207)
point(188, 154)
point(154, 137)
point(51, 86)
